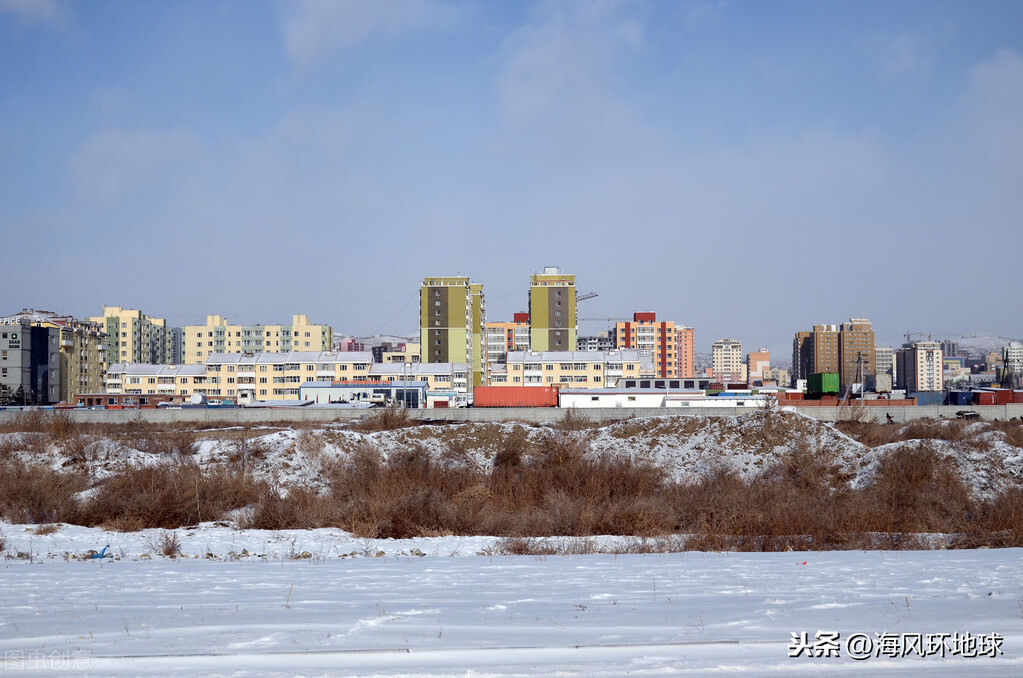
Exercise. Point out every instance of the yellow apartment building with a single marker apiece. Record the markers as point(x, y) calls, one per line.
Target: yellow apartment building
point(574, 369)
point(134, 337)
point(275, 376)
point(217, 336)
point(452, 319)
point(552, 311)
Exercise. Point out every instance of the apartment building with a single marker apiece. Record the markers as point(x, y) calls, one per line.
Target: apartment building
point(217, 336)
point(645, 334)
point(758, 366)
point(727, 362)
point(274, 376)
point(452, 322)
point(685, 351)
point(134, 337)
point(577, 369)
point(921, 367)
point(856, 352)
point(503, 337)
point(438, 376)
point(552, 311)
point(802, 356)
point(602, 341)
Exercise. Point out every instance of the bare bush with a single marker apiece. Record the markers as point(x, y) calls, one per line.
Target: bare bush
point(34, 493)
point(170, 496)
point(166, 543)
point(388, 419)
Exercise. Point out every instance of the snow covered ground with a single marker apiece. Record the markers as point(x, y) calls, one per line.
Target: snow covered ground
point(321, 602)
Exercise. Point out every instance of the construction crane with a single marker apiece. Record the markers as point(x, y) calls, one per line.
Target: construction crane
point(588, 295)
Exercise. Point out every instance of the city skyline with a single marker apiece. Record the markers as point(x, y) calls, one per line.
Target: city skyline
point(747, 170)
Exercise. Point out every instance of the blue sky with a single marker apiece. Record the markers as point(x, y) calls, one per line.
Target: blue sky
point(747, 168)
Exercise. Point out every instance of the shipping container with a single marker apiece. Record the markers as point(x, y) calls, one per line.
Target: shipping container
point(983, 398)
point(929, 397)
point(515, 396)
point(1003, 396)
point(823, 382)
point(1017, 397)
point(960, 398)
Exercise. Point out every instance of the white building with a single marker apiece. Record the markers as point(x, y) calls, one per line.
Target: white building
point(727, 361)
point(921, 367)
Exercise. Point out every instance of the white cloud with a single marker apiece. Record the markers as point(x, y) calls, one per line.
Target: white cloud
point(314, 29)
point(904, 56)
point(565, 56)
point(46, 12)
point(111, 163)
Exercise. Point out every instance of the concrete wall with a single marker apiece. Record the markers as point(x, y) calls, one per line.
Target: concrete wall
point(525, 414)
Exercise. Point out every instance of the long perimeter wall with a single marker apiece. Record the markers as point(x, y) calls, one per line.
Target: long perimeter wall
point(537, 415)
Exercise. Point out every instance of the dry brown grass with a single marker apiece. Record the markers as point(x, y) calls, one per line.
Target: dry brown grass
point(387, 419)
point(33, 493)
point(540, 488)
point(168, 496)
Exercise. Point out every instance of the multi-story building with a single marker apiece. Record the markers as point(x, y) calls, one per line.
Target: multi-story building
point(552, 311)
point(921, 367)
point(29, 363)
point(217, 336)
point(602, 341)
point(274, 376)
point(856, 352)
point(758, 366)
point(134, 337)
point(577, 369)
point(884, 368)
point(685, 351)
point(645, 334)
point(351, 344)
point(728, 366)
point(503, 337)
point(949, 347)
point(824, 355)
point(452, 321)
point(82, 352)
point(802, 356)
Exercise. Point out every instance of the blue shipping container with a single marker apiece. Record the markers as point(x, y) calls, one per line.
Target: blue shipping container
point(960, 398)
point(929, 397)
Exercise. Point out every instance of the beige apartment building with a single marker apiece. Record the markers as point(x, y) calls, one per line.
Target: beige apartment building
point(921, 367)
point(856, 352)
point(758, 366)
point(575, 369)
point(274, 376)
point(217, 336)
point(134, 337)
point(728, 365)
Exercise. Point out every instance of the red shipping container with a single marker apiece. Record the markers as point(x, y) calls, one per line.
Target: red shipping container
point(1003, 396)
point(984, 398)
point(515, 396)
point(1017, 397)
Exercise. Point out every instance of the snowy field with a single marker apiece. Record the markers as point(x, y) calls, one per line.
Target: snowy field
point(319, 602)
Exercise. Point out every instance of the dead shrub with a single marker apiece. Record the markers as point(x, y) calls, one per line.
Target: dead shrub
point(301, 509)
point(171, 496)
point(166, 544)
point(46, 528)
point(34, 493)
point(918, 490)
point(387, 419)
